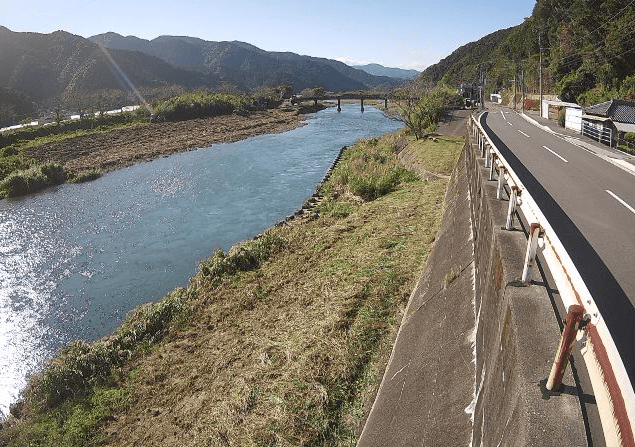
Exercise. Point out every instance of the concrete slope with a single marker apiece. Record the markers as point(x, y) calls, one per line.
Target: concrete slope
point(430, 377)
point(475, 346)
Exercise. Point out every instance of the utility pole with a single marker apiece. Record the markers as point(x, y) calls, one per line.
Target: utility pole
point(515, 76)
point(540, 46)
point(522, 85)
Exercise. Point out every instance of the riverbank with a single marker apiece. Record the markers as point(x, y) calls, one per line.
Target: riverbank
point(122, 147)
point(280, 341)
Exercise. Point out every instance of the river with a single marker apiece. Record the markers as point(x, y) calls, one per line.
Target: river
point(76, 258)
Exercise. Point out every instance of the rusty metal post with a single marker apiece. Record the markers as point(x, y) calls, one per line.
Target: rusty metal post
point(513, 199)
point(501, 182)
point(530, 255)
point(572, 325)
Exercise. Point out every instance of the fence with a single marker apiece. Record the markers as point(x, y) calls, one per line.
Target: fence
point(611, 385)
point(600, 133)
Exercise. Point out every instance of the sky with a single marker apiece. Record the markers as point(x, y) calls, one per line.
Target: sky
point(395, 33)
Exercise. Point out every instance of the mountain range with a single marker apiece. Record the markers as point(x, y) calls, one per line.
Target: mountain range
point(380, 70)
point(60, 70)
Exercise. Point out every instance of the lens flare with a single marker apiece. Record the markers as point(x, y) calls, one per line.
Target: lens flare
point(126, 79)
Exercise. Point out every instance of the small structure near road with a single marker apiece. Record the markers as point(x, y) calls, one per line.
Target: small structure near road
point(573, 113)
point(608, 122)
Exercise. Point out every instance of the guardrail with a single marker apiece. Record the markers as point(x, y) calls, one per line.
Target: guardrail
point(611, 385)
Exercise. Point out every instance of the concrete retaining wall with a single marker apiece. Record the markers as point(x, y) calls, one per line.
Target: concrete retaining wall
point(516, 336)
point(470, 305)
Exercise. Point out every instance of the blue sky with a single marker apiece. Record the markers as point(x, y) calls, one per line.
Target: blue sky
point(397, 33)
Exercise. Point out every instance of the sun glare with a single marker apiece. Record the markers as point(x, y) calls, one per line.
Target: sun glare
point(126, 79)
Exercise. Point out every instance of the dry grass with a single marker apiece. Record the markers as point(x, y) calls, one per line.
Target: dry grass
point(289, 352)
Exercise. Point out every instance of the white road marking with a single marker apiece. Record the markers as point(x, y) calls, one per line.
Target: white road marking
point(503, 115)
point(524, 134)
point(510, 124)
point(630, 208)
point(557, 155)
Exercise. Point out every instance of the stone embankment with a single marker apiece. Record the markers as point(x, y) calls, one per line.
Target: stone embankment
point(475, 345)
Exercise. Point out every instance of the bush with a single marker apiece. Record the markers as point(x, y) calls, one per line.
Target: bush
point(86, 176)
point(33, 179)
point(202, 104)
point(531, 105)
point(242, 257)
point(562, 116)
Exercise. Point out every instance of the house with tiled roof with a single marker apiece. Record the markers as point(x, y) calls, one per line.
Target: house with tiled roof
point(609, 121)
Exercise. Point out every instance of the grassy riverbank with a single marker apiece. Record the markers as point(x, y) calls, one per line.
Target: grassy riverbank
point(280, 342)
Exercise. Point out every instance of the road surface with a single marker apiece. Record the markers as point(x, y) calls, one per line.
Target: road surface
point(590, 203)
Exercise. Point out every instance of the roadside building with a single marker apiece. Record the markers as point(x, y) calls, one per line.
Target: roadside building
point(551, 109)
point(608, 122)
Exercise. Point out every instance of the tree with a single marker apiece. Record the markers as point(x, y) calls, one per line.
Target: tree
point(421, 110)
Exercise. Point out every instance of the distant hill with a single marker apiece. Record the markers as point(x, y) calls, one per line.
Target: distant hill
point(247, 66)
point(43, 72)
point(587, 53)
point(380, 70)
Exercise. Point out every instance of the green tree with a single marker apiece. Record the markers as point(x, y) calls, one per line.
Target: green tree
point(420, 111)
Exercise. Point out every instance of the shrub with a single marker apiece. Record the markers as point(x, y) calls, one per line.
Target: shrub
point(202, 104)
point(531, 105)
point(562, 116)
point(33, 179)
point(86, 176)
point(242, 257)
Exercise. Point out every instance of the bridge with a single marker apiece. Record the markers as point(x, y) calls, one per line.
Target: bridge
point(343, 96)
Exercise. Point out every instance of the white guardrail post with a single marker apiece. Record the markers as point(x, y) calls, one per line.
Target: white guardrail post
point(611, 385)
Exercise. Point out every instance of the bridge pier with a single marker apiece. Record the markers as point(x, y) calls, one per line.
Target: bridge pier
point(362, 100)
point(386, 103)
point(339, 104)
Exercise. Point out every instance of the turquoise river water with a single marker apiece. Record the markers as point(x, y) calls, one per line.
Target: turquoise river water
point(76, 258)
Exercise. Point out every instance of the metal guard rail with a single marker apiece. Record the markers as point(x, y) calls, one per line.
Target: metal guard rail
point(611, 385)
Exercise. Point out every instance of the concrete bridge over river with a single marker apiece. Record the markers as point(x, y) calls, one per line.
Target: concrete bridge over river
point(344, 96)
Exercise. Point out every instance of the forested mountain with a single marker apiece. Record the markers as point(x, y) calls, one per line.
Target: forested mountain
point(588, 52)
point(60, 70)
point(247, 66)
point(43, 72)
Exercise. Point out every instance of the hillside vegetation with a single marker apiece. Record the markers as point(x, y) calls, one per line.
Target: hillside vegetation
point(588, 50)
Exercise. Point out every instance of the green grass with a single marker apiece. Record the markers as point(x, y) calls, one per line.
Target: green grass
point(86, 176)
point(281, 341)
point(436, 155)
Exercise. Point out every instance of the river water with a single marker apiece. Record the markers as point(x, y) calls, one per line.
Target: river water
point(76, 258)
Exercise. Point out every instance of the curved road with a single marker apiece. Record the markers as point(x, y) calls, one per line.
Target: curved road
point(590, 204)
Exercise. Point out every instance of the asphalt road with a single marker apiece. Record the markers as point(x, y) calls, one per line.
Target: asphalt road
point(590, 204)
